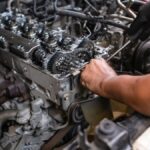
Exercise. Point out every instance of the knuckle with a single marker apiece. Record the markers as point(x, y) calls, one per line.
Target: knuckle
point(92, 60)
point(87, 67)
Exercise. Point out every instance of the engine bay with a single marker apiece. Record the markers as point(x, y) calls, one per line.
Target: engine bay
point(44, 45)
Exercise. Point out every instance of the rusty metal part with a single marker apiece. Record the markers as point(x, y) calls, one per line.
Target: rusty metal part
point(12, 90)
point(65, 145)
point(4, 83)
point(17, 90)
point(57, 138)
point(99, 108)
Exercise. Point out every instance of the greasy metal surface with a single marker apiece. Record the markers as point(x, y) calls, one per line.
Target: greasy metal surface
point(56, 138)
point(15, 41)
point(31, 72)
point(95, 110)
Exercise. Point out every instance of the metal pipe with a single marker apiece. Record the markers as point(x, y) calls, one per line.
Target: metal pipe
point(121, 17)
point(135, 2)
point(7, 114)
point(128, 10)
point(91, 6)
point(119, 50)
point(9, 4)
point(83, 16)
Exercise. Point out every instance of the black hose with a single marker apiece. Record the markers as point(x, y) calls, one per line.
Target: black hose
point(72, 14)
point(83, 16)
point(89, 18)
point(62, 11)
point(114, 24)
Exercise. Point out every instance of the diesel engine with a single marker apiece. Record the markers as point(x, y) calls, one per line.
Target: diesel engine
point(44, 45)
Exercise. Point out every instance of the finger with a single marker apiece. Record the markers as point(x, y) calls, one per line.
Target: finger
point(97, 61)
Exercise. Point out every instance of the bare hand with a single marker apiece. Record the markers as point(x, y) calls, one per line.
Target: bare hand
point(94, 74)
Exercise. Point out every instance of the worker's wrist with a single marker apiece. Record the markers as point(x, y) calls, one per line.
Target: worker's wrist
point(105, 84)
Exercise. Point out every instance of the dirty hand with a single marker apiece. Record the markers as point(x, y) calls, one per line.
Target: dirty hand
point(94, 75)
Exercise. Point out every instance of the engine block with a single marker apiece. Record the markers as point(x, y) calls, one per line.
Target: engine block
point(51, 65)
point(44, 46)
point(48, 62)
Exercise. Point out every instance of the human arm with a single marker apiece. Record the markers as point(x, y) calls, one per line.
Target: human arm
point(134, 91)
